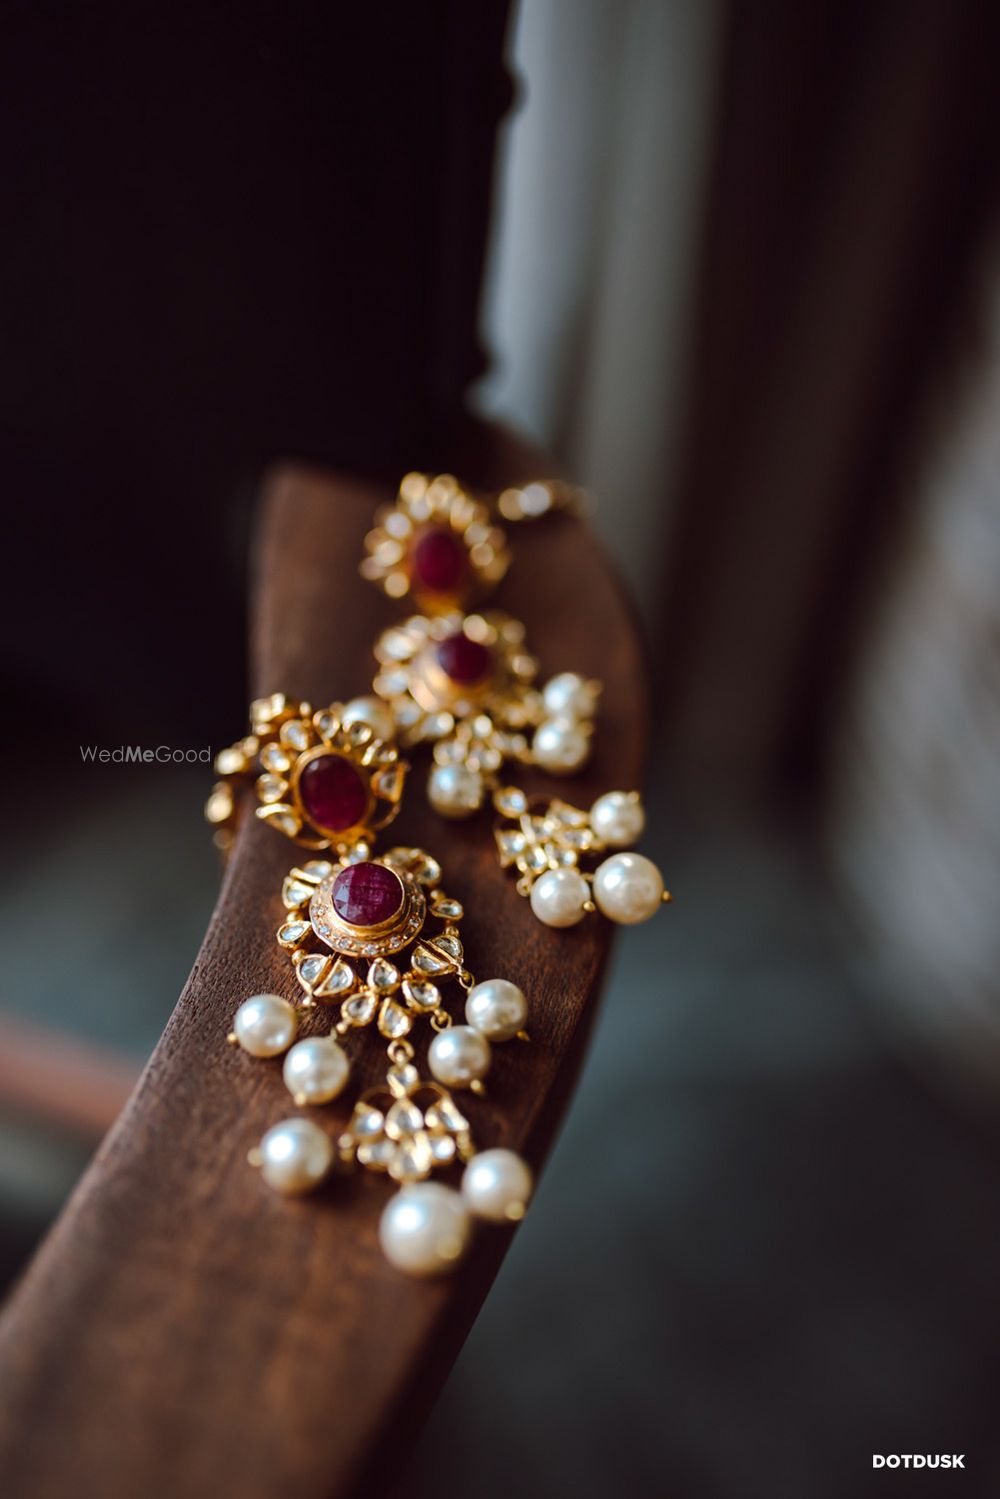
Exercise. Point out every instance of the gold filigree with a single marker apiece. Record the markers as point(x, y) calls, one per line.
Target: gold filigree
point(287, 739)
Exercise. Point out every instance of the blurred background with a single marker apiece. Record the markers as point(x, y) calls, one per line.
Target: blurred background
point(737, 267)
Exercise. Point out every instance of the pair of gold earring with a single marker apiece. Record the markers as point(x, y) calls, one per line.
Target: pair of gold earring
point(377, 934)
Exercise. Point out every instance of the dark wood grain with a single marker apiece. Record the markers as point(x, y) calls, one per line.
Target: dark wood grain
point(183, 1332)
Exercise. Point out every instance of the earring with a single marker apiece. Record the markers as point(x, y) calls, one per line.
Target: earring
point(466, 684)
point(554, 846)
point(374, 939)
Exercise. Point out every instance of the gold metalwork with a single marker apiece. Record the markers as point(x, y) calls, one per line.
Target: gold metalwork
point(426, 504)
point(533, 836)
point(286, 736)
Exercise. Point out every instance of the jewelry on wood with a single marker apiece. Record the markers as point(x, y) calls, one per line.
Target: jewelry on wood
point(374, 938)
point(466, 684)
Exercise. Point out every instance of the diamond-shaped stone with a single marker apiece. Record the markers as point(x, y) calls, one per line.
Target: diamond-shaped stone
point(360, 1010)
point(326, 723)
point(231, 762)
point(295, 734)
point(452, 910)
point(376, 1154)
point(367, 1122)
point(402, 1079)
point(421, 994)
point(281, 817)
point(403, 1118)
point(427, 962)
point(340, 980)
point(311, 969)
point(510, 801)
point(292, 932)
point(383, 975)
point(445, 1115)
point(273, 758)
point(412, 1160)
point(389, 780)
point(294, 892)
point(394, 1022)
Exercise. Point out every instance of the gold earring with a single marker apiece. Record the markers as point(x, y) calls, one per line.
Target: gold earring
point(377, 938)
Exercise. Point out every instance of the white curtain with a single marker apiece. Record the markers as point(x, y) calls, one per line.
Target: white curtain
point(596, 232)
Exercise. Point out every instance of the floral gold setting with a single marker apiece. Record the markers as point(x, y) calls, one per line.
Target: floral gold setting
point(466, 684)
point(377, 935)
point(325, 779)
point(553, 845)
point(437, 543)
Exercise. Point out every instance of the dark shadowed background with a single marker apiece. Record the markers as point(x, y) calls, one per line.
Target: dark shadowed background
point(736, 266)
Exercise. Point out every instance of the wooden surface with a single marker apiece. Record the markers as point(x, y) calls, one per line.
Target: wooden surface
point(184, 1332)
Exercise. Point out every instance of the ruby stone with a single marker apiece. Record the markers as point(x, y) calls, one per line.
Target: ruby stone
point(465, 661)
point(367, 894)
point(333, 793)
point(440, 561)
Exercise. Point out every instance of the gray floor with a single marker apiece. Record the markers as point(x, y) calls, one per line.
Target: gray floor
point(765, 1246)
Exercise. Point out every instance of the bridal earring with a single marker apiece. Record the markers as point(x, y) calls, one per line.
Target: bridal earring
point(466, 684)
point(374, 942)
point(374, 939)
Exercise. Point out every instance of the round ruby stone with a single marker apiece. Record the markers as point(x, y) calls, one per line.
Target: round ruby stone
point(333, 793)
point(367, 894)
point(440, 561)
point(465, 661)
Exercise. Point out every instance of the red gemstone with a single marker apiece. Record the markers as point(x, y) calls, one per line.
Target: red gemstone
point(440, 561)
point(333, 793)
point(367, 894)
point(465, 661)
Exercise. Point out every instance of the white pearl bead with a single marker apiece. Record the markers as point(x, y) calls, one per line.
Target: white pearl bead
point(459, 1056)
point(497, 1009)
point(424, 1229)
point(265, 1025)
point(560, 745)
point(316, 1070)
point(628, 888)
point(454, 790)
point(557, 897)
point(571, 695)
point(618, 818)
point(295, 1155)
point(497, 1184)
point(372, 711)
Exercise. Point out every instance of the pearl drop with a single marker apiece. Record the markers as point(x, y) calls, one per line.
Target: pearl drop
point(372, 711)
point(424, 1229)
point(265, 1025)
point(560, 745)
point(454, 790)
point(497, 1185)
point(497, 1009)
point(628, 888)
point(316, 1070)
point(557, 897)
point(459, 1056)
point(569, 694)
point(618, 818)
point(295, 1155)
